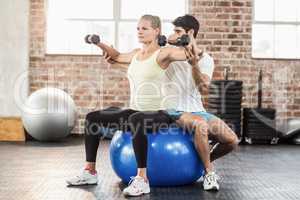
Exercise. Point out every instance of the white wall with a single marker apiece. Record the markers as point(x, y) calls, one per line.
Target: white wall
point(14, 53)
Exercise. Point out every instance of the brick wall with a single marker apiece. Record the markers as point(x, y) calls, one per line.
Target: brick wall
point(225, 33)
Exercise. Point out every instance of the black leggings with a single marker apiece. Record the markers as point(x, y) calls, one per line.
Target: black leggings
point(139, 123)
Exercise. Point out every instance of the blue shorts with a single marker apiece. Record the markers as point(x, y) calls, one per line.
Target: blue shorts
point(175, 115)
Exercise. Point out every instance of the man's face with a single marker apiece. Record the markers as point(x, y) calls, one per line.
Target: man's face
point(178, 32)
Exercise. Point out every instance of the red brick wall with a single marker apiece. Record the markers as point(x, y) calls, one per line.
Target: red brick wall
point(225, 33)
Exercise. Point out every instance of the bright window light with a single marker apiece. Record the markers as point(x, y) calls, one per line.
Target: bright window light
point(68, 21)
point(276, 29)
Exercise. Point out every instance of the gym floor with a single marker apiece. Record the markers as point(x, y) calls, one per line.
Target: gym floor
point(34, 170)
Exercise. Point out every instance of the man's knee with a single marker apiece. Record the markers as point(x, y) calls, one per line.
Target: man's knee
point(190, 119)
point(233, 142)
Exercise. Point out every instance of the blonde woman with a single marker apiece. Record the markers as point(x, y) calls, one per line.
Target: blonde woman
point(146, 70)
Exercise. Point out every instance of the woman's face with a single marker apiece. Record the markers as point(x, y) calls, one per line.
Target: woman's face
point(145, 32)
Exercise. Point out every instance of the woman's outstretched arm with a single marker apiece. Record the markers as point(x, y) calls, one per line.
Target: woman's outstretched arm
point(114, 54)
point(171, 54)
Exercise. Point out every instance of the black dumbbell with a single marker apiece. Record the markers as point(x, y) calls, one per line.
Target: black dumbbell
point(92, 39)
point(184, 40)
point(162, 40)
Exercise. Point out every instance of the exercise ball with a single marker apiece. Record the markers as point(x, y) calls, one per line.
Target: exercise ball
point(49, 114)
point(172, 159)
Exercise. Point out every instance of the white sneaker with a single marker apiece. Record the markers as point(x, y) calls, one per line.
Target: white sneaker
point(136, 187)
point(85, 178)
point(211, 181)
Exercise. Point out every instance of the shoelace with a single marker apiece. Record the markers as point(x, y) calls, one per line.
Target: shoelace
point(212, 177)
point(131, 182)
point(79, 179)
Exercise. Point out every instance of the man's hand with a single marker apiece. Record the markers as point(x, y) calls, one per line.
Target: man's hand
point(193, 53)
point(193, 58)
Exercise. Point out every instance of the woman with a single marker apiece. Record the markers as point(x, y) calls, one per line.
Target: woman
point(145, 72)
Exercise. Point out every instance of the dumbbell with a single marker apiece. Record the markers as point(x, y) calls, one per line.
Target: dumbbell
point(184, 40)
point(162, 40)
point(95, 39)
point(181, 41)
point(92, 39)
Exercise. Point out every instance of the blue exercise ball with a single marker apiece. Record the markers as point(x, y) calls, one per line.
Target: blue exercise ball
point(172, 158)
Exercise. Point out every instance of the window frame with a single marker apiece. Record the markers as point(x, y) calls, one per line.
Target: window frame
point(273, 23)
point(116, 20)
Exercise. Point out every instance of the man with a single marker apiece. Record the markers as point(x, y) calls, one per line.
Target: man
point(190, 112)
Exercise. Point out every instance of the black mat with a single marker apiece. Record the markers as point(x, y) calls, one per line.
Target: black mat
point(35, 170)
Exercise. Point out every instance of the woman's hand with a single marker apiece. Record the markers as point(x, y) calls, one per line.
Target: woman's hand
point(114, 63)
point(108, 58)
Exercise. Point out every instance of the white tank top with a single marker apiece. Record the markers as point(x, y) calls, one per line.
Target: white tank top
point(179, 87)
point(145, 80)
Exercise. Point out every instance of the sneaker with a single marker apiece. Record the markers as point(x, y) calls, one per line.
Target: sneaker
point(211, 181)
point(201, 179)
point(85, 178)
point(136, 187)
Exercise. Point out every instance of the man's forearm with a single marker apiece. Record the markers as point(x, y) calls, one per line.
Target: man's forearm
point(201, 80)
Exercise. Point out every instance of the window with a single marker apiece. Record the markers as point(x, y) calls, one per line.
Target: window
point(276, 29)
point(68, 22)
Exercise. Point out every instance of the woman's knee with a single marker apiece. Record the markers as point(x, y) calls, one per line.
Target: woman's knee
point(91, 124)
point(136, 122)
point(136, 118)
point(91, 116)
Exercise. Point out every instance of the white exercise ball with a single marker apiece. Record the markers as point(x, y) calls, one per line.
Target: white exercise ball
point(49, 114)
